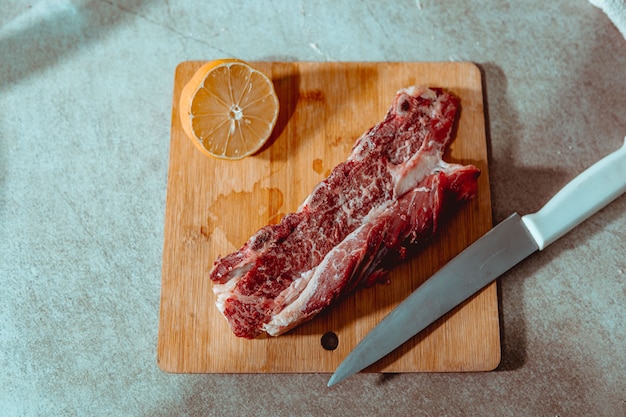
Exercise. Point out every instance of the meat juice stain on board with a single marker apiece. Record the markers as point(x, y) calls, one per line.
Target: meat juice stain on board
point(318, 165)
point(264, 202)
point(313, 96)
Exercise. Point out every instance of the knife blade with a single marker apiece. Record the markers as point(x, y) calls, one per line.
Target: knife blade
point(490, 256)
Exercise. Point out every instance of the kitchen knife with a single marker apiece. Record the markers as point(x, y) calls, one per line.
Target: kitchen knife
point(490, 256)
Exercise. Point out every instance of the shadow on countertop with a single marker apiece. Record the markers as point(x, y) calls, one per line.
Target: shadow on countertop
point(513, 189)
point(43, 34)
point(524, 190)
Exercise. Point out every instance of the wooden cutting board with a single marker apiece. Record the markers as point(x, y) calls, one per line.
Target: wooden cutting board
point(214, 206)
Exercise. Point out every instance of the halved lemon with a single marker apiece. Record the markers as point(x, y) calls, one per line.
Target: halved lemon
point(228, 109)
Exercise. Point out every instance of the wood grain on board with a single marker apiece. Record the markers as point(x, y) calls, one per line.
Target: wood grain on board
point(213, 206)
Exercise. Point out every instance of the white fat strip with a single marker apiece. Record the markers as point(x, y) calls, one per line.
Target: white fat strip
point(291, 315)
point(225, 291)
point(416, 91)
point(422, 189)
point(293, 291)
point(361, 143)
point(407, 176)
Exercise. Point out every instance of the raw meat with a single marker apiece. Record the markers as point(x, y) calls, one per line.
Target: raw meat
point(385, 200)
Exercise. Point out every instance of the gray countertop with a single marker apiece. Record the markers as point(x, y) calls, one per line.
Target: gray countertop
point(85, 111)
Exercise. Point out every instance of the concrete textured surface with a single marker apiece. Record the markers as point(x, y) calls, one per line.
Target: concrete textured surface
point(85, 110)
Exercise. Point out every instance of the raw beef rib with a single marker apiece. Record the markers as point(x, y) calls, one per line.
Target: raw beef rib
point(386, 199)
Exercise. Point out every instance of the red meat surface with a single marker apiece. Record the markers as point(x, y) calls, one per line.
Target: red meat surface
point(383, 202)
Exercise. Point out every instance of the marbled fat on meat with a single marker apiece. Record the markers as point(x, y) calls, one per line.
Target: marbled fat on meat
point(384, 200)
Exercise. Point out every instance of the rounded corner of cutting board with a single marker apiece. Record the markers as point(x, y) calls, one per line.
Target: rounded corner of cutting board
point(473, 67)
point(164, 365)
point(494, 363)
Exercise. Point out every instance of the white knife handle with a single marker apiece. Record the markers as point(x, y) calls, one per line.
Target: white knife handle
point(593, 189)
